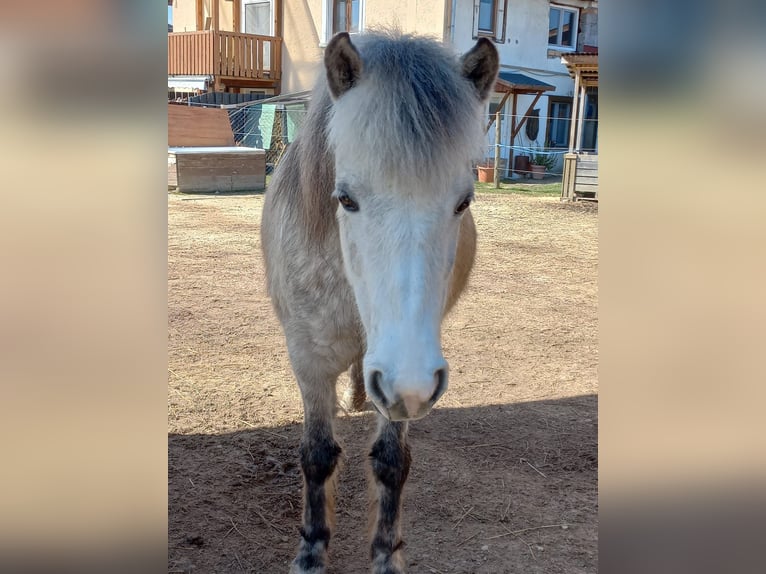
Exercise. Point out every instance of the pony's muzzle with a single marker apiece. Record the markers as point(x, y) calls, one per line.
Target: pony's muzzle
point(401, 401)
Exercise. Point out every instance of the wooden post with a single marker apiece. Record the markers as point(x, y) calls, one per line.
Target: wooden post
point(497, 147)
point(216, 14)
point(499, 106)
point(580, 117)
point(569, 177)
point(200, 16)
point(572, 123)
point(278, 18)
point(236, 17)
point(514, 130)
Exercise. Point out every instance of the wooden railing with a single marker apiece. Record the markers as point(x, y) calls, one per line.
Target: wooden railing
point(225, 54)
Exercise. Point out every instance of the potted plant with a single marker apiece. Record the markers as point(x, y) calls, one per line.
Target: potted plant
point(540, 163)
point(521, 164)
point(486, 171)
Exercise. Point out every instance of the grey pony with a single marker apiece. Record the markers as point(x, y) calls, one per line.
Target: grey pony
point(388, 106)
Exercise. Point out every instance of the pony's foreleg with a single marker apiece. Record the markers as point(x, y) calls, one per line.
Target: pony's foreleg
point(390, 458)
point(319, 457)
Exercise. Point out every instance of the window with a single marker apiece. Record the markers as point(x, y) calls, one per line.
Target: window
point(341, 16)
point(257, 17)
point(562, 27)
point(559, 121)
point(489, 19)
point(590, 121)
point(345, 17)
point(487, 16)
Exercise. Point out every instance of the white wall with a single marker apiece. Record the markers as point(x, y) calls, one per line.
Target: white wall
point(303, 51)
point(524, 50)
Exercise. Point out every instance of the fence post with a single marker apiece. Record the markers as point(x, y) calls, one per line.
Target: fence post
point(497, 149)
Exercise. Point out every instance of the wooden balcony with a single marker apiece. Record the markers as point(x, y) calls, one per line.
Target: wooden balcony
point(231, 58)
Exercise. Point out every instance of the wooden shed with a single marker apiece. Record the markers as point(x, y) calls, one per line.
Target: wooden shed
point(202, 156)
point(580, 179)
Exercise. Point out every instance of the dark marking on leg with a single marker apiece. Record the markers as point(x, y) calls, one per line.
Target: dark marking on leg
point(319, 459)
point(390, 460)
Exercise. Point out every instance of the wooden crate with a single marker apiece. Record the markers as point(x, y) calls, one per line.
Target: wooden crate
point(216, 169)
point(586, 177)
point(196, 126)
point(580, 180)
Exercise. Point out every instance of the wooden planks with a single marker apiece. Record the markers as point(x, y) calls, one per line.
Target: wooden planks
point(580, 177)
point(586, 178)
point(194, 126)
point(223, 171)
point(223, 53)
point(568, 179)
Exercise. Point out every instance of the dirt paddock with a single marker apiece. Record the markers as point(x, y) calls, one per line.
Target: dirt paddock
point(504, 475)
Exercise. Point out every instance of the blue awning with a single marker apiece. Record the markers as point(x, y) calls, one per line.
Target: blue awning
point(520, 84)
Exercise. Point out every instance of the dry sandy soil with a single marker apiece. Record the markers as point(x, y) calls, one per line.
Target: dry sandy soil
point(504, 475)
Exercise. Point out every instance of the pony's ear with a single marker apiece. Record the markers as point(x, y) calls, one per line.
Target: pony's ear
point(343, 64)
point(480, 66)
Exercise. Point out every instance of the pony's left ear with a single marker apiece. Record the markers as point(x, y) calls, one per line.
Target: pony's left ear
point(343, 64)
point(480, 65)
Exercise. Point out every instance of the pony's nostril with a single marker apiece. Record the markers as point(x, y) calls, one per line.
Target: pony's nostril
point(376, 378)
point(440, 377)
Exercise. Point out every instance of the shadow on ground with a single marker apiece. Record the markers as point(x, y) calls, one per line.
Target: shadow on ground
point(493, 489)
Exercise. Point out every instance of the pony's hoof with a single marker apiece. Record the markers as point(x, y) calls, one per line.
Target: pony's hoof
point(311, 558)
point(388, 569)
point(307, 564)
point(388, 564)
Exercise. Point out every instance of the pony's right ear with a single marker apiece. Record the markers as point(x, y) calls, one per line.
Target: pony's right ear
point(343, 64)
point(480, 65)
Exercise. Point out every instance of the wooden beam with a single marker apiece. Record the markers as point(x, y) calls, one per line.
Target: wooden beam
point(513, 132)
point(580, 114)
point(278, 18)
point(572, 124)
point(237, 16)
point(216, 14)
point(498, 125)
point(500, 105)
point(568, 179)
point(200, 15)
point(526, 115)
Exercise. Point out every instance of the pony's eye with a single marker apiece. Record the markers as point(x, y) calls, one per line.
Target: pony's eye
point(464, 204)
point(347, 203)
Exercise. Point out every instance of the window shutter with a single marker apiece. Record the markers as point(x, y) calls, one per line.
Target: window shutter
point(500, 21)
point(475, 18)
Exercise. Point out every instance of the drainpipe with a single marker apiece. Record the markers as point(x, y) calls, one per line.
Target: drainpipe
point(452, 23)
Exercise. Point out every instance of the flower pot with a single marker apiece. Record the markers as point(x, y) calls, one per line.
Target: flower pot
point(486, 173)
point(538, 171)
point(521, 165)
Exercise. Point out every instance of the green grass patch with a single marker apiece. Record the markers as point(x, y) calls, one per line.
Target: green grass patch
point(552, 189)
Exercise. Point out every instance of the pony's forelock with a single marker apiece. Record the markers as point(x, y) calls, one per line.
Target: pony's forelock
point(411, 114)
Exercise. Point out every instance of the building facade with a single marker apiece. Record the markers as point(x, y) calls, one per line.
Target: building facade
point(276, 46)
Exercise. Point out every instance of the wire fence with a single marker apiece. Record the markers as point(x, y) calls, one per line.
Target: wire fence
point(542, 141)
point(271, 127)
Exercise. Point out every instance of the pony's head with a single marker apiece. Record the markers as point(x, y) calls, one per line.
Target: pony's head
point(404, 126)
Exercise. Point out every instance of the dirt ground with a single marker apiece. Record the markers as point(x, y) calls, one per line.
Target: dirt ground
point(504, 475)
